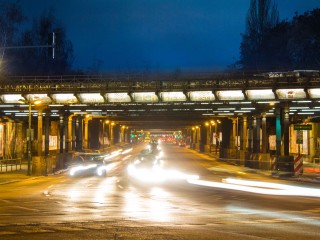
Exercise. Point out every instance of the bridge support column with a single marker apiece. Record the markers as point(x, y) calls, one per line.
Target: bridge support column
point(286, 124)
point(203, 144)
point(86, 132)
point(69, 135)
point(111, 133)
point(243, 137)
point(226, 126)
point(61, 133)
point(40, 131)
point(78, 133)
point(284, 162)
point(48, 163)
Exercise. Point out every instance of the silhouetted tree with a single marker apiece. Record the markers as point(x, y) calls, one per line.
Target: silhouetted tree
point(304, 41)
point(32, 61)
point(39, 61)
point(11, 18)
point(262, 16)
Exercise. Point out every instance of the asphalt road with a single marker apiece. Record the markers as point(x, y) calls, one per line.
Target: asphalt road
point(91, 207)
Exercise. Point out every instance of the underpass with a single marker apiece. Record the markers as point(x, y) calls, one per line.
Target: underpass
point(101, 207)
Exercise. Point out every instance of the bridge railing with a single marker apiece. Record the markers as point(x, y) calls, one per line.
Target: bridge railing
point(143, 82)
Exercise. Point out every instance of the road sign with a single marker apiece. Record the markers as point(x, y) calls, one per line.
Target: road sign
point(299, 137)
point(303, 127)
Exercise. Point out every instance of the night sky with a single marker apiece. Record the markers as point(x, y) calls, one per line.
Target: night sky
point(131, 35)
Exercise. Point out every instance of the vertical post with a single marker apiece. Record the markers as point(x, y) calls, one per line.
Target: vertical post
point(234, 132)
point(111, 133)
point(40, 131)
point(46, 141)
point(29, 140)
point(102, 143)
point(286, 131)
point(278, 132)
point(244, 138)
point(86, 132)
point(264, 133)
point(69, 136)
point(61, 132)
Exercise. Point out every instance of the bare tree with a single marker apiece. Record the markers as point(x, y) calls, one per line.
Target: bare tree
point(262, 15)
point(11, 18)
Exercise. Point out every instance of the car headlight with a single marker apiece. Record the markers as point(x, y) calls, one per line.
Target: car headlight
point(76, 169)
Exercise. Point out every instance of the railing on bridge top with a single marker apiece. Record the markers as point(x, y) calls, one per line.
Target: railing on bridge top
point(154, 82)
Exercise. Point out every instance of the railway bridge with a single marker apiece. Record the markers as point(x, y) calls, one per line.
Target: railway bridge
point(244, 116)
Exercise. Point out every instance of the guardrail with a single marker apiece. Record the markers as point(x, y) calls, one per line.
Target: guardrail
point(7, 165)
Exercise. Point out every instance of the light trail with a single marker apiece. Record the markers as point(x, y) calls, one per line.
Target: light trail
point(259, 187)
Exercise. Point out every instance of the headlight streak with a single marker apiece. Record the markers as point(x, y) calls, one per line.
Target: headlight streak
point(126, 151)
point(76, 169)
point(275, 215)
point(259, 187)
point(112, 155)
point(157, 174)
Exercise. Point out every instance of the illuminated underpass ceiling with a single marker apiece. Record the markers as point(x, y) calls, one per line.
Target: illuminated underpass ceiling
point(175, 104)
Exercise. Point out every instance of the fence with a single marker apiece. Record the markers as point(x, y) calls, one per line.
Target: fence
point(7, 165)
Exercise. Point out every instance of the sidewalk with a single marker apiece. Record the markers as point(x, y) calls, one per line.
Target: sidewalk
point(9, 176)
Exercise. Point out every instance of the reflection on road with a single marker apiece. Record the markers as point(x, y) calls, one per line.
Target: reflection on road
point(156, 207)
point(259, 187)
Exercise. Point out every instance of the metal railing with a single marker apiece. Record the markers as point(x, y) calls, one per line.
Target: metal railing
point(150, 82)
point(9, 165)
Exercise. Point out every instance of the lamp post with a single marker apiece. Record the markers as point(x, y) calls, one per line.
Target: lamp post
point(29, 102)
point(29, 139)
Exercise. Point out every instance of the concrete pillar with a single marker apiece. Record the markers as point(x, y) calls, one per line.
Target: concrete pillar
point(61, 133)
point(69, 135)
point(86, 132)
point(264, 133)
point(278, 132)
point(46, 132)
point(40, 131)
point(286, 124)
point(244, 134)
point(233, 134)
point(78, 133)
point(243, 138)
point(122, 134)
point(203, 131)
point(111, 132)
point(74, 129)
point(256, 134)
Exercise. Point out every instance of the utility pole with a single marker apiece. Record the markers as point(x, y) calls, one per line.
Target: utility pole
point(52, 45)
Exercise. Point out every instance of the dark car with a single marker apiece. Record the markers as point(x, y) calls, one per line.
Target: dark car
point(83, 164)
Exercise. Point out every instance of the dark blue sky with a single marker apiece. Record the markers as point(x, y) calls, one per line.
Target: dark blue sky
point(156, 34)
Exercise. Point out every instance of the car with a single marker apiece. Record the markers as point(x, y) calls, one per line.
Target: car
point(84, 164)
point(146, 168)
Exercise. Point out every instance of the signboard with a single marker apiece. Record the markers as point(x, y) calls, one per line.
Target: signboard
point(299, 138)
point(303, 127)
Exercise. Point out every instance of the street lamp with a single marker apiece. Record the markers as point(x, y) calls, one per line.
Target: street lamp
point(29, 102)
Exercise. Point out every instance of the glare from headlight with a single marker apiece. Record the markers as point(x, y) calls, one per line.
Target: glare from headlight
point(76, 169)
point(126, 151)
point(101, 170)
point(157, 174)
